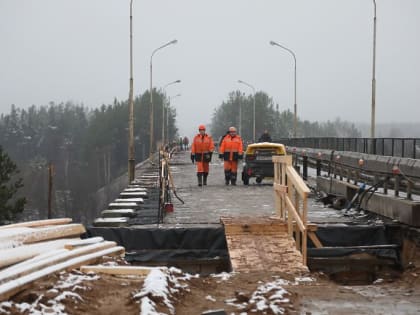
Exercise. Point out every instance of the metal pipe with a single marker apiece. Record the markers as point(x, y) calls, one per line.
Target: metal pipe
point(151, 93)
point(372, 123)
point(295, 105)
point(253, 108)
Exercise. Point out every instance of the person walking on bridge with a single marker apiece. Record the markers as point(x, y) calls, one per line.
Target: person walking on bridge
point(201, 151)
point(231, 151)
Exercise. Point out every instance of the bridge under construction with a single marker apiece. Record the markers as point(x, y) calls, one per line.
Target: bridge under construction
point(273, 225)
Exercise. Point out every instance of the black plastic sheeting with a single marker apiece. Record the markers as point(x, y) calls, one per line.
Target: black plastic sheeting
point(163, 244)
point(348, 235)
point(154, 244)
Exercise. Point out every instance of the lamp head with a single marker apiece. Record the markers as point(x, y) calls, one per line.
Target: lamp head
point(174, 41)
point(178, 81)
point(240, 81)
point(272, 43)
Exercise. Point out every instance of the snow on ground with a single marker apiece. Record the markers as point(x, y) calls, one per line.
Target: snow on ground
point(63, 290)
point(223, 275)
point(270, 297)
point(161, 286)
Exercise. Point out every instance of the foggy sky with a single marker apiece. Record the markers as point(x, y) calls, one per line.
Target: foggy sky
point(78, 50)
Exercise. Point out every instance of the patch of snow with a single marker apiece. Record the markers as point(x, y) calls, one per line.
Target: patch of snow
point(369, 291)
point(161, 284)
point(68, 281)
point(377, 281)
point(223, 275)
point(210, 298)
point(277, 309)
point(71, 280)
point(67, 294)
point(269, 297)
point(299, 280)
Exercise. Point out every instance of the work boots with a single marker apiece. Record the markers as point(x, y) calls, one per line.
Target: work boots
point(205, 178)
point(200, 179)
point(227, 177)
point(233, 178)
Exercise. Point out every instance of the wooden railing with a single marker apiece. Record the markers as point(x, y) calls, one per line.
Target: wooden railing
point(291, 195)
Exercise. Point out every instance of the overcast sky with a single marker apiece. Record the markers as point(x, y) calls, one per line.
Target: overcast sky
point(78, 50)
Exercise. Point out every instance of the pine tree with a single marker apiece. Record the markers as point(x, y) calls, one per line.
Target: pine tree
point(9, 206)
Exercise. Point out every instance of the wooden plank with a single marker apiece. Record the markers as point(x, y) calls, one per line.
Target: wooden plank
point(17, 254)
point(111, 222)
point(118, 270)
point(253, 252)
point(115, 213)
point(255, 228)
point(7, 275)
point(42, 256)
point(38, 223)
point(124, 200)
point(286, 159)
point(282, 189)
point(294, 213)
point(83, 242)
point(9, 289)
point(45, 233)
point(297, 181)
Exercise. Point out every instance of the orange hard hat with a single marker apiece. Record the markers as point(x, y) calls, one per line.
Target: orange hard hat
point(201, 127)
point(232, 129)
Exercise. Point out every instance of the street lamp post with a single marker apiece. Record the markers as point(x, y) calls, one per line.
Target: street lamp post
point(151, 93)
point(372, 123)
point(163, 111)
point(253, 108)
point(167, 114)
point(240, 118)
point(295, 105)
point(131, 158)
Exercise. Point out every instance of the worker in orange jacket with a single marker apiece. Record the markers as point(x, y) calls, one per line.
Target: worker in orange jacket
point(201, 151)
point(231, 151)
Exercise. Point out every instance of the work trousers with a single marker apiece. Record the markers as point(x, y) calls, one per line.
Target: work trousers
point(231, 166)
point(202, 167)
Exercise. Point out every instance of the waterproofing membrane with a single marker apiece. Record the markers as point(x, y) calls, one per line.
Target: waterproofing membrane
point(161, 244)
point(154, 244)
point(340, 236)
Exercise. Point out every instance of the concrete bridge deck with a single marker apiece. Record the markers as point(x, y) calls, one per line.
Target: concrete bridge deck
point(205, 205)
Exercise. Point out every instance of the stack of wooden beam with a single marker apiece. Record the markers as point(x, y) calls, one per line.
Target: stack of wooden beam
point(32, 250)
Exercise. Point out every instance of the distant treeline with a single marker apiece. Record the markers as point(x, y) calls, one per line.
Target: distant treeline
point(87, 148)
point(267, 116)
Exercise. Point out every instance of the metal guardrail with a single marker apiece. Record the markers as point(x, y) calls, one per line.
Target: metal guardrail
point(350, 168)
point(397, 147)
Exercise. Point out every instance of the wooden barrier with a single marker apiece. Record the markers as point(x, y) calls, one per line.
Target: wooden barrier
point(291, 195)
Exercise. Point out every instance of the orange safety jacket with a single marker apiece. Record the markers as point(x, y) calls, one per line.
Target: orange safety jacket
point(231, 148)
point(201, 147)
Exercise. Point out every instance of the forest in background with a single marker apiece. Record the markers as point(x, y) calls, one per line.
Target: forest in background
point(87, 148)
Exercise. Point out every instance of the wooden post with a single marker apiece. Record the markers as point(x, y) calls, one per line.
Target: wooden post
point(50, 186)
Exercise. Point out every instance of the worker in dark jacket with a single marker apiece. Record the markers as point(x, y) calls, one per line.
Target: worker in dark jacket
point(265, 137)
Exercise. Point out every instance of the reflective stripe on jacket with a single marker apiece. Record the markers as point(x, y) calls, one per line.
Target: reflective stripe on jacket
point(231, 148)
point(200, 145)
